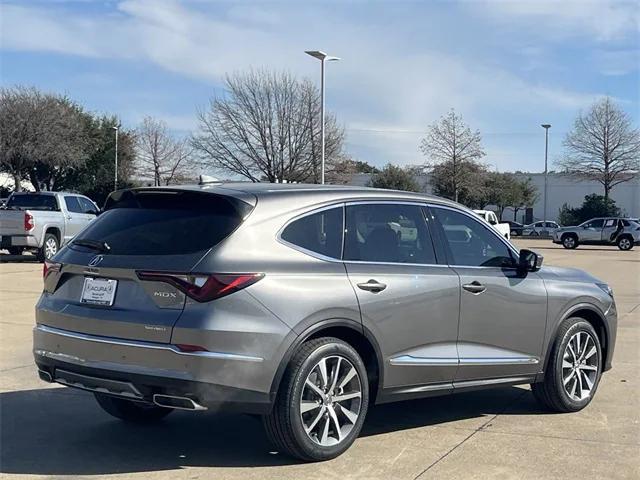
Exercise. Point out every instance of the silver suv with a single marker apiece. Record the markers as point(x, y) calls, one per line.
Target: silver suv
point(623, 232)
point(307, 304)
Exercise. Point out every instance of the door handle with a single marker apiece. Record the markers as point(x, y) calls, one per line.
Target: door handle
point(474, 287)
point(372, 286)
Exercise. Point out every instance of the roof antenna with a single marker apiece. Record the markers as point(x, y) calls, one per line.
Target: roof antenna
point(206, 179)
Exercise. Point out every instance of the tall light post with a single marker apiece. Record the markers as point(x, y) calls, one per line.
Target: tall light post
point(546, 127)
point(115, 177)
point(323, 57)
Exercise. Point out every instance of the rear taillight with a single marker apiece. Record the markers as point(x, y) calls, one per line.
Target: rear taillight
point(28, 222)
point(204, 288)
point(50, 267)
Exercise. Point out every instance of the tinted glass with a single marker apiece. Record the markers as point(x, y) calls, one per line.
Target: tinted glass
point(388, 233)
point(319, 232)
point(610, 222)
point(87, 206)
point(594, 223)
point(471, 243)
point(32, 201)
point(73, 205)
point(171, 223)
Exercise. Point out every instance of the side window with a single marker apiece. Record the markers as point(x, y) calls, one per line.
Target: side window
point(394, 233)
point(471, 243)
point(73, 205)
point(319, 232)
point(610, 223)
point(595, 223)
point(87, 206)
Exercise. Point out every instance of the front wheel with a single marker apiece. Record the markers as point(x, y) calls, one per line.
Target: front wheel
point(574, 368)
point(569, 242)
point(130, 411)
point(625, 243)
point(321, 403)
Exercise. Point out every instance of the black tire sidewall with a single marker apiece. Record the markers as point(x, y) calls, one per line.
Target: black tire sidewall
point(43, 256)
point(573, 326)
point(630, 243)
point(575, 242)
point(311, 448)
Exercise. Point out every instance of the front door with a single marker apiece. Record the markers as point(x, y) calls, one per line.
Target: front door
point(502, 312)
point(407, 299)
point(592, 231)
point(609, 230)
point(74, 217)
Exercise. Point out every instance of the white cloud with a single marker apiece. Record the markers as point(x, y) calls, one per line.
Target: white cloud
point(604, 19)
point(385, 92)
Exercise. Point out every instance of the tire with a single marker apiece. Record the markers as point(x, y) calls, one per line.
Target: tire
point(15, 250)
point(287, 425)
point(50, 247)
point(130, 411)
point(514, 233)
point(625, 243)
point(565, 389)
point(569, 241)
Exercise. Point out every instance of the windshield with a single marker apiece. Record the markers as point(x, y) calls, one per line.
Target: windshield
point(162, 223)
point(32, 201)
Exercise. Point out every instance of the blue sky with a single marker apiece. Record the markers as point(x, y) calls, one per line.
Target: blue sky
point(505, 66)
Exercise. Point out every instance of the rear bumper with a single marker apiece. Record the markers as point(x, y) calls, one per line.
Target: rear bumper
point(27, 241)
point(140, 370)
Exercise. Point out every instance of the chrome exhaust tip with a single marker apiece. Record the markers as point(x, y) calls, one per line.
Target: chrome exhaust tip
point(180, 403)
point(45, 376)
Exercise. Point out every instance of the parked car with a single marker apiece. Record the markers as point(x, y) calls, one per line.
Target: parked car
point(301, 303)
point(515, 228)
point(490, 217)
point(540, 229)
point(623, 232)
point(43, 221)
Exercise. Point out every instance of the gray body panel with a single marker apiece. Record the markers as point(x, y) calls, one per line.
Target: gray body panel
point(429, 334)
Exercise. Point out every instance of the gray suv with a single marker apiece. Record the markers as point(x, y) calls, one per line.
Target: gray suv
point(623, 232)
point(306, 304)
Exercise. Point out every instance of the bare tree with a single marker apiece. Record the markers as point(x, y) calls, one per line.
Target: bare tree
point(603, 146)
point(453, 145)
point(266, 127)
point(167, 159)
point(42, 135)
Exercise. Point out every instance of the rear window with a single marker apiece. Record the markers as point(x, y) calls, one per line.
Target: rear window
point(32, 201)
point(165, 222)
point(319, 232)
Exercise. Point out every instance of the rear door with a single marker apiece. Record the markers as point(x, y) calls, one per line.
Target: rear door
point(609, 230)
point(152, 231)
point(407, 299)
point(74, 217)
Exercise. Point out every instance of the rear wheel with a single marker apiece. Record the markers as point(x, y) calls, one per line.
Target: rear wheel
point(574, 368)
point(16, 250)
point(625, 243)
point(321, 403)
point(49, 248)
point(569, 241)
point(130, 411)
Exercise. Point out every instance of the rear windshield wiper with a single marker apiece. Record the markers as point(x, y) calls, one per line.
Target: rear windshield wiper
point(93, 244)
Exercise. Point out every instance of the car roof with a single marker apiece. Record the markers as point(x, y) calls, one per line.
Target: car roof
point(301, 190)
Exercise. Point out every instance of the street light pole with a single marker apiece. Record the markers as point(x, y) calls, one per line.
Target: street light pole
point(546, 127)
point(115, 177)
point(323, 57)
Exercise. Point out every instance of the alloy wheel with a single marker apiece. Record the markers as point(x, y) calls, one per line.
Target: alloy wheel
point(624, 244)
point(580, 366)
point(330, 400)
point(569, 242)
point(50, 248)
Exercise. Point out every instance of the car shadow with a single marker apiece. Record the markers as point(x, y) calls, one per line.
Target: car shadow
point(58, 431)
point(7, 257)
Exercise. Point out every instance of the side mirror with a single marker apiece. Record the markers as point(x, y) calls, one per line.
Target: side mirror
point(529, 261)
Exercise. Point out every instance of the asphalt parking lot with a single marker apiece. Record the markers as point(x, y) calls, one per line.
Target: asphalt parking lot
point(53, 431)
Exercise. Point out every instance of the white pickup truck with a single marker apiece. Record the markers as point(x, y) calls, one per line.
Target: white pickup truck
point(43, 221)
point(488, 216)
